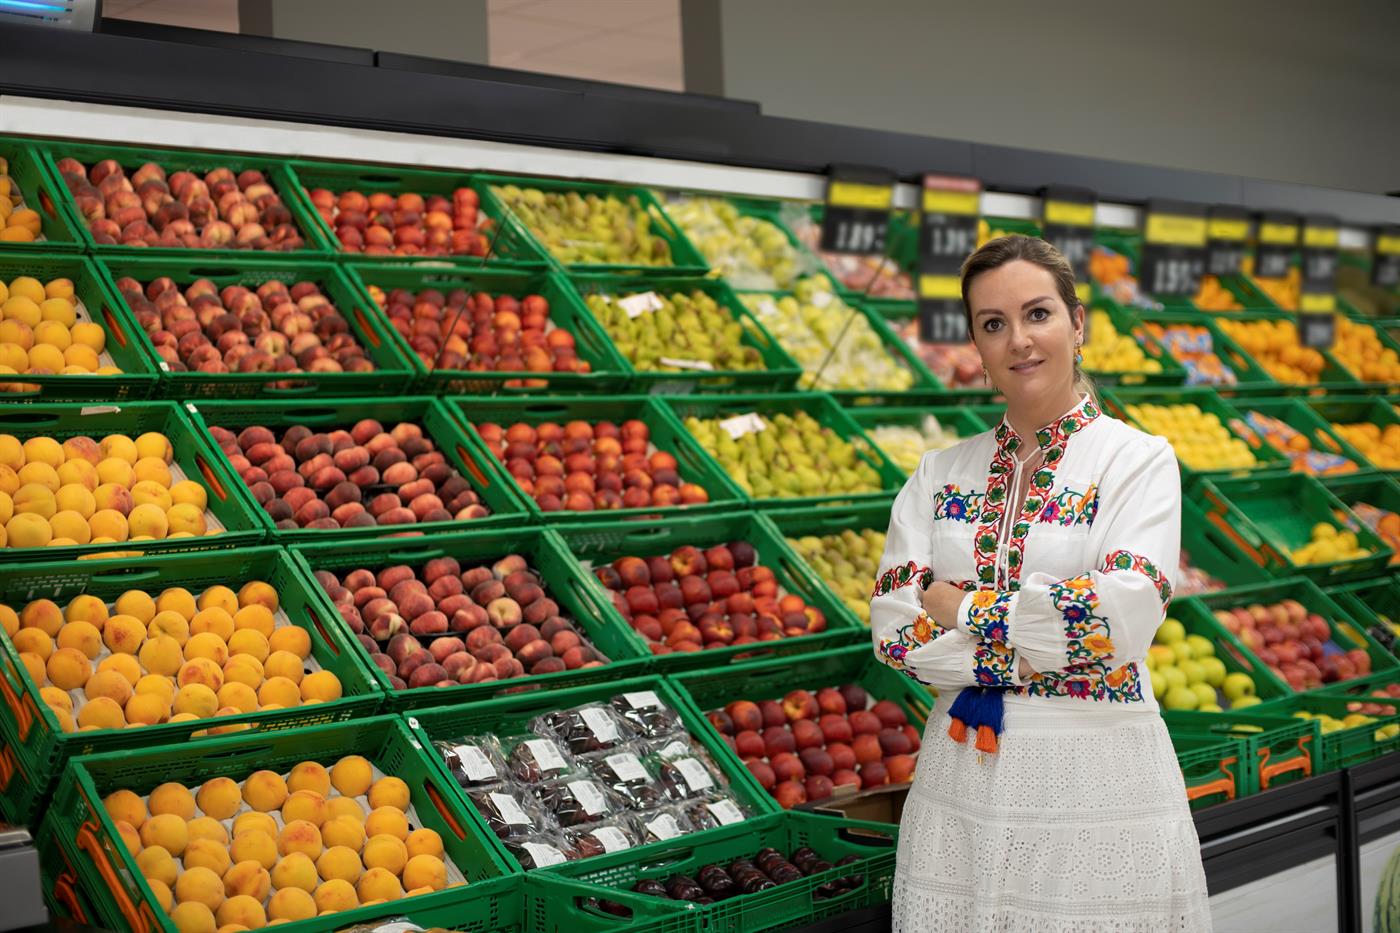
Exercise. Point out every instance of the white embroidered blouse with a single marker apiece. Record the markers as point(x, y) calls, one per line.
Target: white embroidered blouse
point(1075, 580)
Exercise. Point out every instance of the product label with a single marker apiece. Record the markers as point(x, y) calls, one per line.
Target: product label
point(703, 365)
point(474, 762)
point(510, 810)
point(612, 838)
point(641, 303)
point(726, 811)
point(627, 767)
point(664, 827)
point(398, 926)
point(747, 423)
point(546, 754)
point(590, 795)
point(697, 776)
point(543, 855)
point(600, 723)
point(676, 749)
point(643, 699)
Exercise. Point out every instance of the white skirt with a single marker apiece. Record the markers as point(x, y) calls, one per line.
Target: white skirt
point(1078, 824)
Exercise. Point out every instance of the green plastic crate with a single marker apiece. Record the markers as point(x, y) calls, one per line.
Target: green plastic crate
point(1321, 437)
point(901, 253)
point(819, 406)
point(509, 245)
point(103, 306)
point(41, 194)
point(903, 324)
point(779, 373)
point(1346, 747)
point(1374, 603)
point(1270, 516)
point(771, 679)
point(955, 418)
point(42, 748)
point(565, 310)
point(1250, 379)
point(1198, 619)
point(1210, 549)
point(511, 715)
point(597, 544)
point(1345, 632)
point(1356, 411)
point(684, 257)
point(765, 209)
point(1349, 311)
point(1334, 378)
point(80, 823)
point(175, 160)
point(1128, 324)
point(62, 887)
point(1268, 460)
point(788, 906)
point(693, 464)
point(560, 575)
point(493, 488)
point(1211, 767)
point(1277, 749)
point(797, 523)
point(390, 376)
point(200, 460)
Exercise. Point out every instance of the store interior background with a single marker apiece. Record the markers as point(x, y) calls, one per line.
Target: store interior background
point(1242, 88)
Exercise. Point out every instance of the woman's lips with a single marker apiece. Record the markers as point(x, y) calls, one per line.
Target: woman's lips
point(1026, 367)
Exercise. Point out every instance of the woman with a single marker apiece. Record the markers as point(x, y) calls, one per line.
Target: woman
point(1025, 572)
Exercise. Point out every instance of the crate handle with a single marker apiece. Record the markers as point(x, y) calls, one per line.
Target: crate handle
point(28, 419)
point(321, 630)
point(65, 894)
point(588, 904)
point(1219, 521)
point(1225, 784)
point(7, 690)
point(410, 557)
point(129, 575)
point(471, 467)
point(1303, 763)
point(865, 837)
point(441, 806)
point(8, 767)
point(114, 326)
point(141, 917)
point(46, 204)
point(210, 477)
point(317, 415)
point(23, 393)
point(299, 388)
point(367, 332)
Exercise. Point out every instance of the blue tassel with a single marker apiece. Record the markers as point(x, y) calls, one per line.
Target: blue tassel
point(980, 709)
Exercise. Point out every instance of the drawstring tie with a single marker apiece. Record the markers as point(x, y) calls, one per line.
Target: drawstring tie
point(979, 709)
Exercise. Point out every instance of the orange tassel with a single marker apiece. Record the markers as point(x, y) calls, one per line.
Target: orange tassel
point(957, 731)
point(986, 739)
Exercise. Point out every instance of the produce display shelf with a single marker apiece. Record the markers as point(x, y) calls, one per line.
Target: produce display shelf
point(1356, 411)
point(509, 245)
point(1387, 342)
point(1250, 379)
point(1215, 552)
point(1296, 413)
point(1269, 517)
point(779, 373)
point(100, 305)
point(1347, 746)
point(958, 366)
point(693, 465)
point(561, 577)
point(80, 823)
point(1375, 603)
point(1128, 324)
point(198, 459)
point(597, 544)
point(391, 373)
point(175, 160)
point(1276, 750)
point(820, 407)
point(41, 193)
point(1334, 378)
point(770, 210)
point(1212, 767)
point(607, 369)
point(33, 732)
point(685, 259)
point(957, 419)
point(331, 414)
point(787, 906)
point(1197, 616)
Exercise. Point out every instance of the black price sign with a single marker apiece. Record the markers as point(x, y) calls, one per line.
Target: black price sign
point(1227, 240)
point(947, 235)
point(1385, 269)
point(1173, 249)
point(1317, 302)
point(857, 215)
point(941, 315)
point(1068, 223)
point(1318, 328)
point(1277, 243)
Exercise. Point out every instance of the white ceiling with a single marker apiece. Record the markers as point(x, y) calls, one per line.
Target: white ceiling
point(623, 41)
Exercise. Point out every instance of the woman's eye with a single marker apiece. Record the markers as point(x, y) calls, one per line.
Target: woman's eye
point(992, 326)
point(1039, 314)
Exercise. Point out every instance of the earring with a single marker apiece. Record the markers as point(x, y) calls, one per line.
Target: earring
point(1078, 356)
point(985, 376)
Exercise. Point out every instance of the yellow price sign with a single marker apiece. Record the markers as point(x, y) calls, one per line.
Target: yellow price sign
point(1175, 230)
point(951, 202)
point(1321, 237)
point(855, 194)
point(1222, 228)
point(1278, 234)
point(1069, 213)
point(934, 287)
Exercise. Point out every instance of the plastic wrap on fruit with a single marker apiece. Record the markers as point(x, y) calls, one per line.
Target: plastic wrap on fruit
point(714, 811)
point(474, 761)
point(686, 777)
point(584, 729)
point(664, 823)
point(536, 758)
point(647, 714)
point(575, 801)
point(615, 835)
point(510, 811)
point(541, 850)
point(623, 772)
point(394, 925)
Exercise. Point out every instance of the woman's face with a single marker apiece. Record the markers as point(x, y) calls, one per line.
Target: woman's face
point(1024, 331)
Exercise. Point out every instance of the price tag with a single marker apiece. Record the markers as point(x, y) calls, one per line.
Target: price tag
point(948, 224)
point(546, 754)
point(697, 776)
point(1385, 268)
point(510, 809)
point(687, 364)
point(1227, 239)
point(599, 723)
point(1317, 303)
point(475, 763)
point(1174, 248)
point(612, 838)
point(627, 767)
point(1068, 224)
point(641, 303)
point(591, 796)
point(664, 827)
point(1276, 244)
point(747, 423)
point(543, 855)
point(675, 749)
point(643, 699)
point(941, 317)
point(857, 213)
point(725, 811)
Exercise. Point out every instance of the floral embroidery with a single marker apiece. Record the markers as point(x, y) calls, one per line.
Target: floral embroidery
point(953, 504)
point(991, 663)
point(920, 632)
point(901, 576)
point(987, 614)
point(1127, 560)
point(1120, 685)
point(1090, 646)
point(1071, 508)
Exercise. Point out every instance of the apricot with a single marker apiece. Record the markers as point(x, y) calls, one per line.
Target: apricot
point(306, 806)
point(322, 686)
point(347, 807)
point(254, 820)
point(148, 520)
point(33, 666)
point(254, 846)
point(209, 829)
point(86, 608)
point(291, 904)
point(115, 472)
point(40, 474)
point(219, 797)
point(77, 498)
point(250, 642)
point(344, 831)
point(284, 664)
point(43, 449)
point(214, 620)
point(69, 668)
point(147, 709)
point(113, 496)
point(208, 646)
point(197, 700)
point(170, 624)
point(124, 634)
point(154, 444)
point(200, 885)
point(336, 895)
point(166, 830)
point(147, 492)
point(125, 806)
point(201, 672)
point(425, 871)
point(265, 791)
point(102, 713)
point(78, 473)
point(387, 821)
point(161, 655)
point(292, 639)
point(119, 447)
point(34, 499)
point(36, 642)
point(300, 836)
point(28, 529)
point(238, 696)
point(378, 884)
point(9, 620)
point(156, 864)
point(244, 670)
point(247, 878)
point(124, 664)
point(206, 853)
point(193, 917)
point(256, 617)
point(130, 838)
point(70, 526)
point(220, 596)
point(241, 911)
point(385, 851)
point(279, 691)
point(83, 636)
point(296, 870)
point(186, 519)
point(56, 698)
point(108, 524)
point(352, 776)
point(173, 798)
point(90, 335)
point(157, 686)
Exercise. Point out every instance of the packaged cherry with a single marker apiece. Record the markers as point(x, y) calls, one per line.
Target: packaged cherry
point(647, 714)
point(714, 811)
point(536, 758)
point(585, 729)
point(541, 850)
point(602, 838)
point(510, 811)
point(686, 776)
point(662, 824)
point(624, 773)
point(575, 801)
point(475, 761)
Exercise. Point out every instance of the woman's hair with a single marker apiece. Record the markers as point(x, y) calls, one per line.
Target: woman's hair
point(998, 252)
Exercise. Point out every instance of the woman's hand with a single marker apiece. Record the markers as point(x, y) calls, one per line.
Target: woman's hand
point(941, 601)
